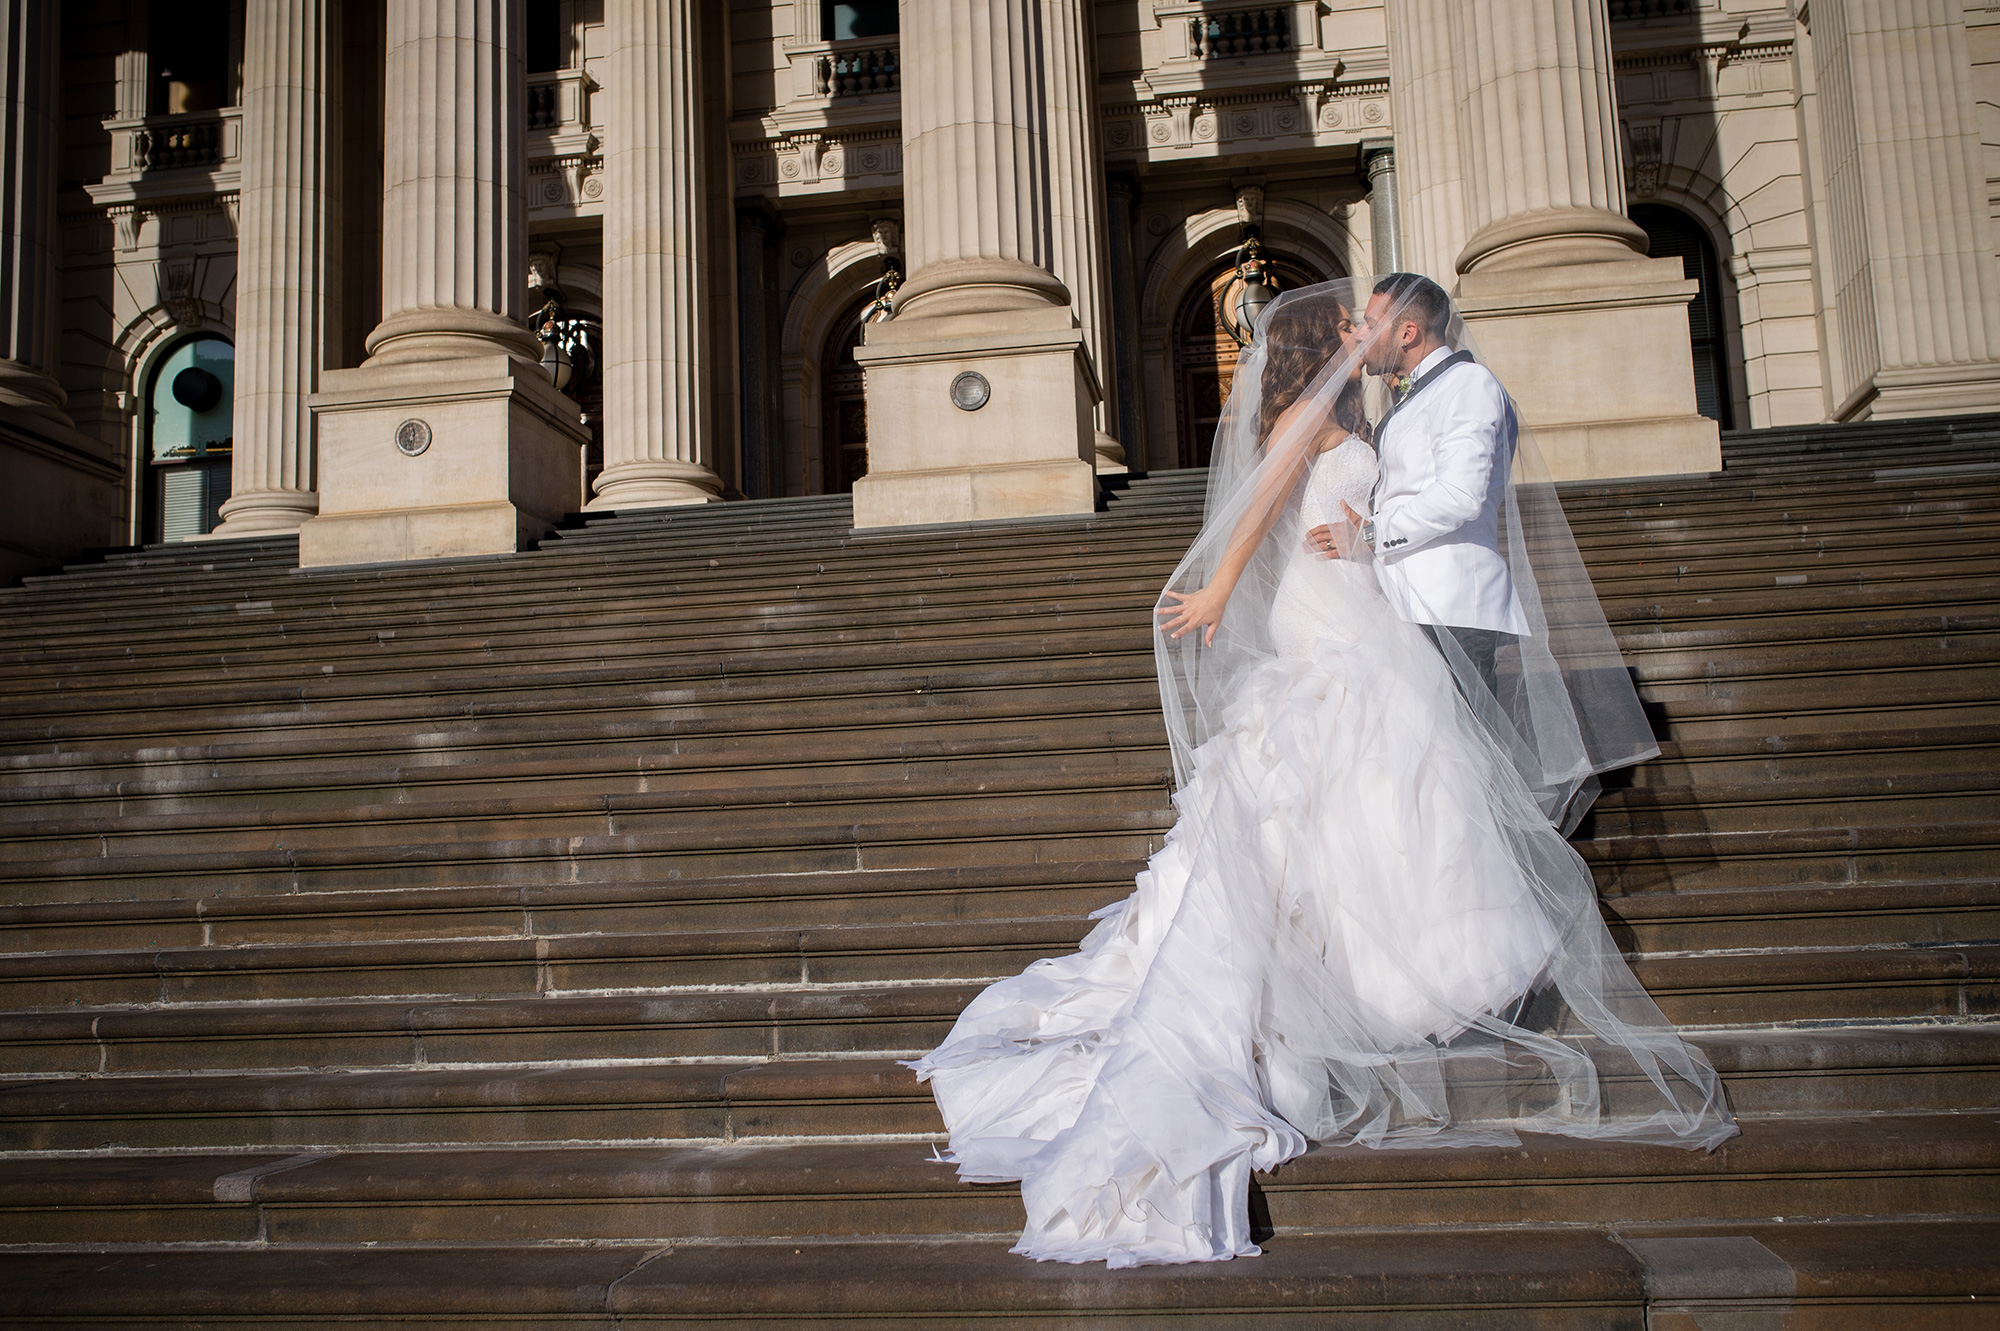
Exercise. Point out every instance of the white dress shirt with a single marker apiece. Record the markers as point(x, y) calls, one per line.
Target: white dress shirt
point(1445, 455)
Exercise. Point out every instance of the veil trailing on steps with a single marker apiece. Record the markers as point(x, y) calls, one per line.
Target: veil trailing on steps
point(1365, 1029)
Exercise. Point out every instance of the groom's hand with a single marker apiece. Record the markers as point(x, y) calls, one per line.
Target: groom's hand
point(1326, 542)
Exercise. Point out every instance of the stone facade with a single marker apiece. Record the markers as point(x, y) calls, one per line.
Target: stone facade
point(721, 199)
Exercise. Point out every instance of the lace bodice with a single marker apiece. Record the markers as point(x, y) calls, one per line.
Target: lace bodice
point(1345, 472)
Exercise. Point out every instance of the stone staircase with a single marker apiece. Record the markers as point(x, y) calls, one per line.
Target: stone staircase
point(530, 941)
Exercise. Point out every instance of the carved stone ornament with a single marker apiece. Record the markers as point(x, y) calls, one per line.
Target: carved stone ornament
point(412, 437)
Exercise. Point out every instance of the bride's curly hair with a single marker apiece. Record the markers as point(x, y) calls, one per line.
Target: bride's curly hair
point(1300, 339)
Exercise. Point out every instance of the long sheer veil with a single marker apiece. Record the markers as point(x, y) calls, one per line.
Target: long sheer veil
point(1561, 703)
point(1585, 1051)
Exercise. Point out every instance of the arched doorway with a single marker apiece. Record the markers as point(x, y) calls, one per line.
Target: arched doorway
point(1205, 349)
point(190, 439)
point(843, 411)
point(1675, 235)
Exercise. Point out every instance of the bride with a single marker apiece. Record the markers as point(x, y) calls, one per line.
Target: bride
point(1365, 925)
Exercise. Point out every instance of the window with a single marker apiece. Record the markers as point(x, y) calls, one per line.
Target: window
point(190, 437)
point(859, 18)
point(1675, 235)
point(188, 56)
point(545, 36)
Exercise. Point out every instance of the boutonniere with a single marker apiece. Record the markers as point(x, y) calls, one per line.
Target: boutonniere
point(1403, 387)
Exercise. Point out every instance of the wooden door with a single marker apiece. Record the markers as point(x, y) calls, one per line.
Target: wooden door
point(1205, 349)
point(843, 418)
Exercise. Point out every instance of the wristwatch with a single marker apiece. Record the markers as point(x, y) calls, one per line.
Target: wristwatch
point(1368, 532)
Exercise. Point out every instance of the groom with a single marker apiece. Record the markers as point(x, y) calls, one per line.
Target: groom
point(1445, 451)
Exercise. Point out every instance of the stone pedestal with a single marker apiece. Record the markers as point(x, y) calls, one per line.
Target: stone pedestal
point(1598, 357)
point(416, 466)
point(981, 298)
point(1027, 451)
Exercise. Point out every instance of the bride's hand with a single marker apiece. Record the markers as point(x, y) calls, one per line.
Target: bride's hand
point(1201, 608)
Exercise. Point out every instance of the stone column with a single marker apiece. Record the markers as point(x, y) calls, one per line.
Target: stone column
point(284, 289)
point(29, 144)
point(1128, 374)
point(449, 439)
point(1423, 100)
point(1589, 334)
point(1909, 244)
point(1539, 137)
point(981, 391)
point(63, 490)
point(454, 217)
point(658, 291)
point(756, 358)
point(1076, 186)
point(1384, 218)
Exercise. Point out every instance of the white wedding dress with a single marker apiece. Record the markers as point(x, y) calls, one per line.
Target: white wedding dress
point(1350, 887)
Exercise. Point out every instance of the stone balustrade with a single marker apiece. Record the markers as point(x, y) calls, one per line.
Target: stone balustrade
point(159, 156)
point(1265, 30)
point(853, 73)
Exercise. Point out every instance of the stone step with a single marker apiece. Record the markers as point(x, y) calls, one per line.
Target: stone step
point(470, 666)
point(549, 908)
point(1695, 861)
point(1805, 802)
point(797, 848)
point(1841, 1276)
point(266, 1066)
point(1112, 790)
point(1902, 542)
point(1870, 1165)
point(243, 625)
point(1835, 802)
point(1129, 744)
point(1133, 740)
point(459, 753)
point(1872, 982)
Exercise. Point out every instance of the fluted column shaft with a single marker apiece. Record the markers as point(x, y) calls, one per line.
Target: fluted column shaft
point(1078, 233)
point(658, 291)
point(454, 183)
point(1384, 216)
point(29, 143)
point(291, 193)
point(1423, 95)
point(1538, 133)
point(978, 227)
point(1909, 235)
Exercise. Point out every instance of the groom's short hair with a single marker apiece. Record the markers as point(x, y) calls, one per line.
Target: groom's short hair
point(1418, 299)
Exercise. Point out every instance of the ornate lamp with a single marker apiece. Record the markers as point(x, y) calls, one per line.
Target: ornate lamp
point(549, 328)
point(1257, 292)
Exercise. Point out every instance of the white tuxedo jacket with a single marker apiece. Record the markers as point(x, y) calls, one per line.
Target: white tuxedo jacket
point(1445, 456)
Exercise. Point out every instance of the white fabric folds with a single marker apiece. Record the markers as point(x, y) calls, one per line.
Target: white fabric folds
point(1365, 926)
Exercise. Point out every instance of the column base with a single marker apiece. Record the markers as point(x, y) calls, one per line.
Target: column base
point(654, 483)
point(502, 463)
point(1927, 390)
point(1110, 455)
point(263, 513)
point(63, 495)
point(1029, 451)
point(1598, 358)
